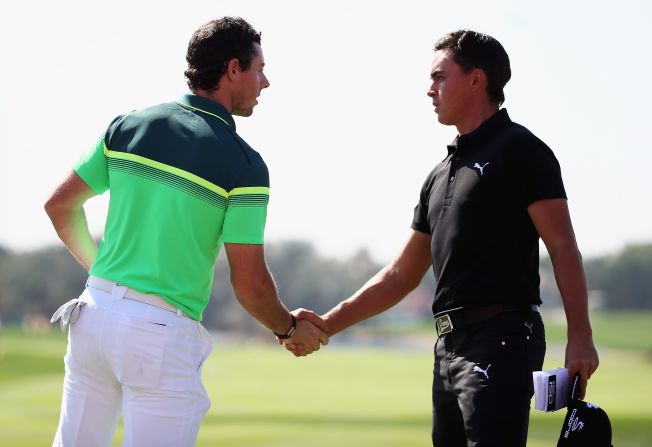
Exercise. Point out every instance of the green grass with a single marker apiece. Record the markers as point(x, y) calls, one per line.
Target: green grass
point(341, 396)
point(618, 330)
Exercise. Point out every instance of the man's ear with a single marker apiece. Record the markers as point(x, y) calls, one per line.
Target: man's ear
point(233, 69)
point(478, 79)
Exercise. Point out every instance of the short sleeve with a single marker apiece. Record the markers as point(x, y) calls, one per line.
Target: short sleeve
point(420, 219)
point(535, 173)
point(93, 168)
point(246, 212)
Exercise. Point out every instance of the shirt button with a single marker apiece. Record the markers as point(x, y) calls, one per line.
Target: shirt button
point(452, 179)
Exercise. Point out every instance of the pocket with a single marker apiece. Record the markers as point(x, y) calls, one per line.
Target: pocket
point(207, 345)
point(512, 344)
point(143, 348)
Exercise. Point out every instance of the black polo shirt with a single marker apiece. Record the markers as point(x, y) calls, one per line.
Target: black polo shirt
point(485, 248)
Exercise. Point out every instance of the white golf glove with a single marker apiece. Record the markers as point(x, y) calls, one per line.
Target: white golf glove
point(68, 313)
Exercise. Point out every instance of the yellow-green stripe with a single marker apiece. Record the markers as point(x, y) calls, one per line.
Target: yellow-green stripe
point(166, 168)
point(203, 111)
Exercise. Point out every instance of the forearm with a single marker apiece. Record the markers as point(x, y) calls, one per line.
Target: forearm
point(260, 299)
point(72, 228)
point(380, 293)
point(65, 207)
point(552, 220)
point(569, 274)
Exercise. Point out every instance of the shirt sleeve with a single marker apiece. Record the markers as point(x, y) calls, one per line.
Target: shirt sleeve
point(93, 168)
point(420, 219)
point(246, 212)
point(535, 173)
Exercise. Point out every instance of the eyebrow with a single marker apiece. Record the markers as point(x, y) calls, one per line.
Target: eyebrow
point(436, 73)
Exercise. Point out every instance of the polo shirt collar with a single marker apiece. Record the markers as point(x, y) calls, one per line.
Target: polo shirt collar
point(209, 107)
point(489, 127)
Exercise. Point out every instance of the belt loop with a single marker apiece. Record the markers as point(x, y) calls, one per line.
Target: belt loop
point(118, 291)
point(179, 313)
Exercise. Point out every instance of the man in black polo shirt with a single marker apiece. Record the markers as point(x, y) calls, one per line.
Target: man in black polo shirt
point(478, 222)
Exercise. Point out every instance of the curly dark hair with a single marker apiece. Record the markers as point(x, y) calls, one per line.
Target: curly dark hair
point(213, 45)
point(471, 50)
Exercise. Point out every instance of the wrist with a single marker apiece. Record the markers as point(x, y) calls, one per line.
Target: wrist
point(290, 332)
point(579, 333)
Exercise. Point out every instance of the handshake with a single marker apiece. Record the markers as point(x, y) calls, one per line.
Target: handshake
point(311, 332)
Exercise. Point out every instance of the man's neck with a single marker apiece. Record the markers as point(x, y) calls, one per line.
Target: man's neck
point(217, 96)
point(477, 115)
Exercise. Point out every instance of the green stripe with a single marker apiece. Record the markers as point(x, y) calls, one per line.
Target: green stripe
point(249, 200)
point(169, 179)
point(181, 183)
point(211, 198)
point(165, 168)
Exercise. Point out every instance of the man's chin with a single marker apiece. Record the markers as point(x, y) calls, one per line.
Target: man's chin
point(244, 113)
point(443, 120)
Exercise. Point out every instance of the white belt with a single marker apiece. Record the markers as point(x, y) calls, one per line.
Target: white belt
point(134, 295)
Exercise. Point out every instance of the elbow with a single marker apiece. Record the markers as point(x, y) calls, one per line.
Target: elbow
point(565, 247)
point(55, 208)
point(59, 212)
point(50, 206)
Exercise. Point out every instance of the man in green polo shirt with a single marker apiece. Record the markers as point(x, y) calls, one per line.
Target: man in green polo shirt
point(182, 182)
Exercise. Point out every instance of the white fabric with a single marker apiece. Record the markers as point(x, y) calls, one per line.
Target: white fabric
point(155, 300)
point(130, 357)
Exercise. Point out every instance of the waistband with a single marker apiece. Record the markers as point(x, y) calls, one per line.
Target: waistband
point(134, 295)
point(460, 318)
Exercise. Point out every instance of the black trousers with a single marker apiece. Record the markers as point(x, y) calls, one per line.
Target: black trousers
point(482, 382)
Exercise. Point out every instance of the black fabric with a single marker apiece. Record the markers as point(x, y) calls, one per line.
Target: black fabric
point(464, 317)
point(485, 248)
point(482, 384)
point(585, 424)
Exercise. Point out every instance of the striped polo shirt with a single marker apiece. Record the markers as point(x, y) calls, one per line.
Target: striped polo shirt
point(182, 181)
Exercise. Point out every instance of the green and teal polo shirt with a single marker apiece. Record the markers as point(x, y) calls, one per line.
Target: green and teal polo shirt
point(182, 181)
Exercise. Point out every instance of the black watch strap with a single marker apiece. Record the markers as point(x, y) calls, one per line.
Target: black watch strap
point(289, 333)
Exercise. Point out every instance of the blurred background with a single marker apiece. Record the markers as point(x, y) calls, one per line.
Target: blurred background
point(349, 136)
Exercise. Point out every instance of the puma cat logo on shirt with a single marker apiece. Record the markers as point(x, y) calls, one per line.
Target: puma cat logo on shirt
point(476, 368)
point(480, 168)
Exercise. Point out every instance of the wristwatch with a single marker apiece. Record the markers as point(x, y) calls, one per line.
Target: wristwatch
point(289, 333)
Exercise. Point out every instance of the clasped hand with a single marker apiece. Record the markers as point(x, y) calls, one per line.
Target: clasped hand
point(310, 334)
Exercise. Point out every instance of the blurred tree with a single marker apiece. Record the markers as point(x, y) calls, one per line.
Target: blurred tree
point(38, 282)
point(627, 278)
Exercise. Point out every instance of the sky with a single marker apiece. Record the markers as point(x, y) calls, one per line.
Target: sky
point(346, 128)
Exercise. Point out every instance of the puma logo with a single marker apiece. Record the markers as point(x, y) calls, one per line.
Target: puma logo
point(480, 168)
point(476, 368)
point(529, 326)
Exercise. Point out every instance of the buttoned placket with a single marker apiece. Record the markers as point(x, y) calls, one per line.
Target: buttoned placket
point(452, 176)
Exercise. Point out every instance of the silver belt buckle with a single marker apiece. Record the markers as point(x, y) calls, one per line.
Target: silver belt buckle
point(443, 324)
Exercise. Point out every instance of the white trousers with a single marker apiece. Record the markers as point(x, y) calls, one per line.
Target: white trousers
point(133, 358)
